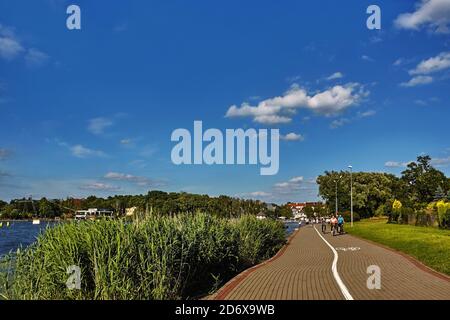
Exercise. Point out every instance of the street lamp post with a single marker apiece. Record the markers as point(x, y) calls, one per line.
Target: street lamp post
point(336, 210)
point(351, 195)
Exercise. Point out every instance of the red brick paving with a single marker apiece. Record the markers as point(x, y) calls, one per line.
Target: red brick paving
point(303, 272)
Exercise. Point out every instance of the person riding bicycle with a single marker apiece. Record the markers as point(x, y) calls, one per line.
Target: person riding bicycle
point(333, 222)
point(324, 224)
point(340, 222)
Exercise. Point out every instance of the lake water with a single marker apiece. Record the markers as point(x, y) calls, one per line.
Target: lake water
point(290, 227)
point(19, 233)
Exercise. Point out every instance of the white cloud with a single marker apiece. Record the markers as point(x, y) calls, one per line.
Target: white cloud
point(418, 80)
point(339, 123)
point(365, 114)
point(280, 109)
point(297, 179)
point(440, 162)
point(292, 136)
point(126, 141)
point(367, 58)
point(10, 46)
point(259, 194)
point(98, 125)
point(35, 58)
point(272, 119)
point(140, 181)
point(395, 164)
point(336, 75)
point(398, 62)
point(360, 115)
point(434, 14)
point(81, 151)
point(433, 64)
point(97, 186)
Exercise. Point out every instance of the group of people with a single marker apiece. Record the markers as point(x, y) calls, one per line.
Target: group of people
point(336, 223)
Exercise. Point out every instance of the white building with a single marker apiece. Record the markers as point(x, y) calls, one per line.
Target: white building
point(92, 213)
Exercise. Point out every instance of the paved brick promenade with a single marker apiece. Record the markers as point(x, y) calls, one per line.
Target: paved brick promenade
point(304, 272)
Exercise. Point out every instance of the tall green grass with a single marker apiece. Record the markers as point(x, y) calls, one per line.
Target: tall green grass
point(155, 258)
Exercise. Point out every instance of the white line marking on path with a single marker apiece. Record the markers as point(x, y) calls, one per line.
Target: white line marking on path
point(338, 279)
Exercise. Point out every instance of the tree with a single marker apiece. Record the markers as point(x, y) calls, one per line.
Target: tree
point(3, 204)
point(422, 180)
point(439, 194)
point(283, 211)
point(370, 190)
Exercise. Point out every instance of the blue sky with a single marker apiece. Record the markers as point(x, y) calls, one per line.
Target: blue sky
point(91, 111)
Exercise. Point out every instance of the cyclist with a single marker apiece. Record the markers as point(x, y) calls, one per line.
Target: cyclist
point(333, 225)
point(340, 222)
point(324, 224)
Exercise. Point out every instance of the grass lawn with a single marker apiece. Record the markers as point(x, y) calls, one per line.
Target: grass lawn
point(429, 245)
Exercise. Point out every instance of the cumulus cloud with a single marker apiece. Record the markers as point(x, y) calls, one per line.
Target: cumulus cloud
point(259, 194)
point(98, 125)
point(432, 14)
point(395, 164)
point(440, 162)
point(138, 180)
point(367, 58)
point(343, 121)
point(97, 186)
point(339, 123)
point(10, 46)
point(36, 58)
point(287, 190)
point(81, 151)
point(292, 136)
point(336, 75)
point(281, 108)
point(433, 64)
point(126, 141)
point(416, 81)
point(365, 114)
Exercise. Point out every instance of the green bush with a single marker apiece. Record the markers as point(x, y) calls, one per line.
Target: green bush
point(381, 211)
point(258, 239)
point(347, 216)
point(157, 258)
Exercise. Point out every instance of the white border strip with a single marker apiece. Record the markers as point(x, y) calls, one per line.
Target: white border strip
point(338, 279)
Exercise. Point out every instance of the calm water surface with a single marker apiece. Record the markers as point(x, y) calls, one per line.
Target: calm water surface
point(19, 233)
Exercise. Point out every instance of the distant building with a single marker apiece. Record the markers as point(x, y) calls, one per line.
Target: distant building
point(297, 208)
point(92, 213)
point(261, 216)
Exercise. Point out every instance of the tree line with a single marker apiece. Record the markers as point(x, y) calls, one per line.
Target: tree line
point(374, 193)
point(158, 202)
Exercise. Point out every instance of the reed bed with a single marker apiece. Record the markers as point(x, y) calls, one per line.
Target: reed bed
point(155, 258)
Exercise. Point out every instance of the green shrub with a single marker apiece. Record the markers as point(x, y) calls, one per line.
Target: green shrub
point(381, 211)
point(258, 239)
point(347, 216)
point(156, 258)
